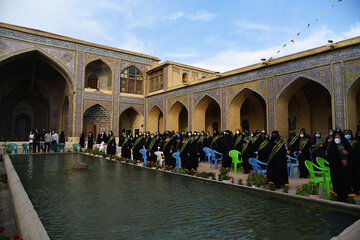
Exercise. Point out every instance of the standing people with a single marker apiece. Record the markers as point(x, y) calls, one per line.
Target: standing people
point(317, 146)
point(36, 141)
point(303, 152)
point(62, 137)
point(54, 140)
point(90, 141)
point(82, 140)
point(338, 157)
point(48, 140)
point(227, 146)
point(31, 140)
point(111, 144)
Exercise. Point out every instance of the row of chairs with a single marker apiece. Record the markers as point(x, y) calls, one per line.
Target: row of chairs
point(26, 148)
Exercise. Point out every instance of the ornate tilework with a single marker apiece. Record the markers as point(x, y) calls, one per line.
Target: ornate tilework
point(67, 58)
point(190, 112)
point(106, 104)
point(256, 86)
point(271, 105)
point(352, 71)
point(138, 107)
point(339, 103)
point(213, 93)
point(97, 96)
point(321, 75)
point(78, 106)
point(8, 46)
point(74, 46)
point(182, 99)
point(129, 99)
point(223, 110)
point(108, 60)
point(159, 104)
point(126, 64)
point(116, 92)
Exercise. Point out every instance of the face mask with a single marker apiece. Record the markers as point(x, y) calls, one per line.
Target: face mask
point(202, 134)
point(237, 132)
point(301, 135)
point(251, 135)
point(263, 131)
point(152, 136)
point(178, 136)
point(330, 133)
point(337, 140)
point(136, 135)
point(189, 134)
point(317, 135)
point(348, 136)
point(139, 134)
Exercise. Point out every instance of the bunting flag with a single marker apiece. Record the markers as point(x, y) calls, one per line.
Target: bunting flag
point(308, 26)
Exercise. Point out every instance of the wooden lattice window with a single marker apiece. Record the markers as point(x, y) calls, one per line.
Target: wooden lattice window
point(131, 80)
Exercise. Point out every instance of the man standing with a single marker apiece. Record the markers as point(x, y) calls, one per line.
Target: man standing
point(54, 140)
point(48, 140)
point(36, 141)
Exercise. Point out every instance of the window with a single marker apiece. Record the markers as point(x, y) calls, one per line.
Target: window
point(156, 81)
point(131, 80)
point(93, 81)
point(185, 76)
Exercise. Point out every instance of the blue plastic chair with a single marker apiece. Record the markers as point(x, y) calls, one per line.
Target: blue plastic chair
point(292, 165)
point(207, 154)
point(256, 165)
point(12, 147)
point(213, 154)
point(176, 155)
point(61, 147)
point(76, 146)
point(144, 155)
point(25, 147)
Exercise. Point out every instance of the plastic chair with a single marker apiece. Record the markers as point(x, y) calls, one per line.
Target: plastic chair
point(323, 164)
point(12, 147)
point(234, 154)
point(207, 154)
point(61, 147)
point(143, 154)
point(291, 166)
point(76, 146)
point(213, 154)
point(255, 164)
point(25, 147)
point(159, 158)
point(53, 147)
point(324, 179)
point(176, 155)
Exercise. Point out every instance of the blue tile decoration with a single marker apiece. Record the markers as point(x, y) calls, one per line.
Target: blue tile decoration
point(78, 108)
point(339, 104)
point(130, 99)
point(138, 107)
point(70, 45)
point(352, 71)
point(116, 92)
point(97, 96)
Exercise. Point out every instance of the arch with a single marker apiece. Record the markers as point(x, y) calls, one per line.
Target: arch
point(22, 126)
point(303, 104)
point(207, 114)
point(131, 80)
point(177, 118)
point(31, 78)
point(247, 109)
point(353, 105)
point(96, 119)
point(98, 75)
point(51, 60)
point(65, 115)
point(130, 119)
point(155, 121)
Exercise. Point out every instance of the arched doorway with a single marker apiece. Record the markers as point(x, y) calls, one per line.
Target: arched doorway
point(304, 104)
point(130, 120)
point(96, 119)
point(353, 105)
point(155, 122)
point(29, 83)
point(247, 111)
point(98, 75)
point(177, 118)
point(207, 115)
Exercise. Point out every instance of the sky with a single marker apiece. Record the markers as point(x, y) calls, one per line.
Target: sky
point(211, 34)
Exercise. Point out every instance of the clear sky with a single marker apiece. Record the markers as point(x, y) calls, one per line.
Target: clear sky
point(213, 34)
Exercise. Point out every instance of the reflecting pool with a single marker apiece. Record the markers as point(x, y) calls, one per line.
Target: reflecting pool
point(115, 201)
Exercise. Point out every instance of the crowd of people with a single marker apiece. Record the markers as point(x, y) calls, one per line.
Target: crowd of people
point(341, 149)
point(41, 140)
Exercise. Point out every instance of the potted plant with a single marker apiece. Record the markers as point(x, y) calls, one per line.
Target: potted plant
point(224, 175)
point(310, 189)
point(240, 181)
point(286, 188)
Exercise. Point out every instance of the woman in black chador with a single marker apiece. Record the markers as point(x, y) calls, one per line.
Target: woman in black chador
point(62, 137)
point(90, 141)
point(227, 146)
point(111, 144)
point(277, 166)
point(303, 152)
point(354, 165)
point(338, 156)
point(82, 139)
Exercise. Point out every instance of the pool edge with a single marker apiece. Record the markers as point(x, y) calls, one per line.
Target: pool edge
point(27, 220)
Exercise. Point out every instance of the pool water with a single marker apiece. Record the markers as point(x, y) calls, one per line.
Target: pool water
point(116, 201)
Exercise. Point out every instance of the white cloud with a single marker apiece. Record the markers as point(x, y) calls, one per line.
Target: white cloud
point(232, 59)
point(132, 43)
point(252, 25)
point(199, 15)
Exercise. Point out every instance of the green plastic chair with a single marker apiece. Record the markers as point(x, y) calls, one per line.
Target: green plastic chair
point(26, 147)
point(62, 147)
point(324, 179)
point(12, 147)
point(234, 154)
point(323, 164)
point(76, 146)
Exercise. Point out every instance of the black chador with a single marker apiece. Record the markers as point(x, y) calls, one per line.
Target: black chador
point(238, 141)
point(126, 147)
point(246, 153)
point(303, 153)
point(137, 145)
point(98, 139)
point(277, 161)
point(317, 147)
point(264, 150)
point(168, 149)
point(200, 144)
point(185, 154)
point(194, 160)
point(227, 146)
point(153, 147)
point(82, 139)
point(111, 144)
point(90, 141)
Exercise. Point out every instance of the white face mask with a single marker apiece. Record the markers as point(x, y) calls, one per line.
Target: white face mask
point(263, 131)
point(301, 135)
point(237, 132)
point(252, 135)
point(337, 140)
